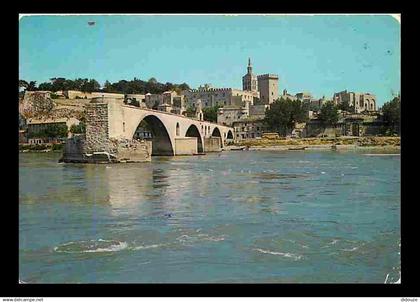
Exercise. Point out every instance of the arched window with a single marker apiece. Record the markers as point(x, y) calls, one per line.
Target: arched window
point(177, 129)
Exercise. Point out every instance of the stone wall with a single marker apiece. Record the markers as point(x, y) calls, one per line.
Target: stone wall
point(315, 128)
point(74, 149)
point(186, 146)
point(132, 150)
point(97, 135)
point(124, 151)
point(212, 144)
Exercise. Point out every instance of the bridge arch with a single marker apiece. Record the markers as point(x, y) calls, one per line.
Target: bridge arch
point(216, 133)
point(193, 131)
point(229, 135)
point(161, 141)
point(177, 129)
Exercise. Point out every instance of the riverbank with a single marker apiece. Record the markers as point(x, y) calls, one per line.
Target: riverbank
point(40, 148)
point(339, 143)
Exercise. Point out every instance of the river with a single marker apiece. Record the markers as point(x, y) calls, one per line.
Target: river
point(250, 216)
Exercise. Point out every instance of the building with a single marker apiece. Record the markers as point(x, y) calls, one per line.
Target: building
point(248, 129)
point(358, 101)
point(211, 97)
point(249, 81)
point(22, 136)
point(36, 125)
point(258, 111)
point(304, 96)
point(141, 98)
point(268, 87)
point(76, 94)
point(107, 95)
point(286, 96)
point(229, 114)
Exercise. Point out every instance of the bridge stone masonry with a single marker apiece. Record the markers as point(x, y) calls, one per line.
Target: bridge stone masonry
point(111, 126)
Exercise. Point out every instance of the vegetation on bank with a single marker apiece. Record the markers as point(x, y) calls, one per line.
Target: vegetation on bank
point(283, 114)
point(41, 147)
point(359, 141)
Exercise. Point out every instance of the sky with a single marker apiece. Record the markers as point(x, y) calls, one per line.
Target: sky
point(318, 54)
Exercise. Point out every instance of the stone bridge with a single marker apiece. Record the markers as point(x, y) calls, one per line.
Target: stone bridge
point(172, 134)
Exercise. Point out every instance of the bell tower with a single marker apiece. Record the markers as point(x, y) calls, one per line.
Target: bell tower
point(249, 81)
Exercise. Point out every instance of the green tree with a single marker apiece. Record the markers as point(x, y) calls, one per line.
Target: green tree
point(210, 113)
point(184, 86)
point(345, 106)
point(329, 114)
point(283, 114)
point(51, 131)
point(23, 84)
point(190, 111)
point(392, 114)
point(80, 128)
point(31, 86)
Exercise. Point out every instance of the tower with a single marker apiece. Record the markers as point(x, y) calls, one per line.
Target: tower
point(249, 81)
point(268, 86)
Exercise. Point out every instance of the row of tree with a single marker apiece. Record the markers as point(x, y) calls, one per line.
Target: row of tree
point(91, 85)
point(139, 86)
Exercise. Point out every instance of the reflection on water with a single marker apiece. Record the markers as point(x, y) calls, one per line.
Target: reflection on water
point(226, 217)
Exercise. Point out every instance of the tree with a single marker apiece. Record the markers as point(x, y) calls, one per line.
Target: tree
point(210, 113)
point(190, 111)
point(329, 114)
point(152, 81)
point(283, 114)
point(80, 128)
point(45, 87)
point(392, 114)
point(51, 131)
point(345, 106)
point(31, 86)
point(184, 86)
point(23, 84)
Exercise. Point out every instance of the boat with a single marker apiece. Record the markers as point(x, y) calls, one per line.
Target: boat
point(239, 148)
point(296, 148)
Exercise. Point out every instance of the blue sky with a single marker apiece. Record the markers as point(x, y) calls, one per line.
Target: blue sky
point(319, 54)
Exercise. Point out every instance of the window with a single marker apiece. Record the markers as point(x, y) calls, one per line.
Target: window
point(177, 129)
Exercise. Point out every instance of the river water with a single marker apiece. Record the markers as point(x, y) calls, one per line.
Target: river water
point(251, 216)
